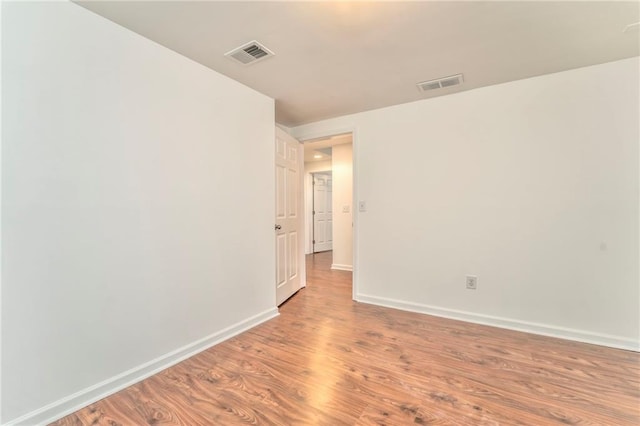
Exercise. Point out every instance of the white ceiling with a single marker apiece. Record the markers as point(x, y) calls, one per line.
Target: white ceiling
point(336, 58)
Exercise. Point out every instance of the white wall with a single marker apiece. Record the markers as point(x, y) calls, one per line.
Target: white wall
point(530, 185)
point(341, 166)
point(134, 196)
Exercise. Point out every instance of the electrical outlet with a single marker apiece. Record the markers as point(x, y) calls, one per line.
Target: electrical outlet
point(472, 282)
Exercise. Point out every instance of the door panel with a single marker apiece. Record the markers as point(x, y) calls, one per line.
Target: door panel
point(322, 214)
point(292, 193)
point(280, 195)
point(293, 255)
point(289, 257)
point(319, 232)
point(281, 265)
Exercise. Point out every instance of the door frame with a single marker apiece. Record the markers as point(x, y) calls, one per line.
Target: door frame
point(304, 137)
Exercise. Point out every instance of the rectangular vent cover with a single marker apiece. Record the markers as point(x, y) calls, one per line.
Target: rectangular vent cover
point(452, 80)
point(249, 53)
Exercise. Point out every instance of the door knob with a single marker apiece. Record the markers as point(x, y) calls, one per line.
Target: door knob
point(278, 227)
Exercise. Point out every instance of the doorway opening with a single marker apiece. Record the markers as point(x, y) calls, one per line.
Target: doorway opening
point(328, 195)
point(328, 159)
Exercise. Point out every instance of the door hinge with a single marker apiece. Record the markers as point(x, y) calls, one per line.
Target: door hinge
point(314, 212)
point(314, 241)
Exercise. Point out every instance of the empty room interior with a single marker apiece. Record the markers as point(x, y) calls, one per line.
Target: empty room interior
point(319, 213)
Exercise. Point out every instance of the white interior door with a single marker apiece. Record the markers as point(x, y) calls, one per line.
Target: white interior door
point(322, 213)
point(289, 221)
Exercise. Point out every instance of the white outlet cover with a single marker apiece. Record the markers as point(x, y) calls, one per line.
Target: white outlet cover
point(345, 209)
point(362, 206)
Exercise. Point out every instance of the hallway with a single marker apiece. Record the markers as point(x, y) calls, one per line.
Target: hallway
point(327, 360)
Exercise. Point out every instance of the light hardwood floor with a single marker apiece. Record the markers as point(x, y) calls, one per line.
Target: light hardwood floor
point(327, 360)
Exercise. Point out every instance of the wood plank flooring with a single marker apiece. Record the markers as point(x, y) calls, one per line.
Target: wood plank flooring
point(327, 360)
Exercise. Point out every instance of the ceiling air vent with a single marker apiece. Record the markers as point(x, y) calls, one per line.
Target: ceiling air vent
point(439, 83)
point(249, 53)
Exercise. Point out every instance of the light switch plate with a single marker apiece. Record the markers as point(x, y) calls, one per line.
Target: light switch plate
point(472, 282)
point(362, 206)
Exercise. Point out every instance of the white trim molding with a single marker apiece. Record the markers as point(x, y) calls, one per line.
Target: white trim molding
point(78, 400)
point(339, 267)
point(583, 336)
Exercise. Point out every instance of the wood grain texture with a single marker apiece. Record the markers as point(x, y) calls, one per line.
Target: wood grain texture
point(327, 360)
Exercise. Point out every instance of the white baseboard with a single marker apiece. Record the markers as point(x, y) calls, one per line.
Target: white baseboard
point(340, 267)
point(612, 341)
point(78, 400)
